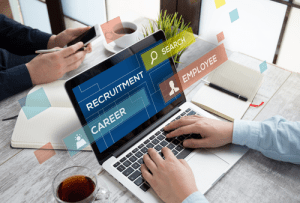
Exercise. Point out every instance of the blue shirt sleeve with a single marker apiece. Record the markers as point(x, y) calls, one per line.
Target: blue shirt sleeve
point(196, 197)
point(275, 137)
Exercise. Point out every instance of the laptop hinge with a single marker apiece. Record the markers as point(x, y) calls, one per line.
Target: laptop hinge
point(145, 132)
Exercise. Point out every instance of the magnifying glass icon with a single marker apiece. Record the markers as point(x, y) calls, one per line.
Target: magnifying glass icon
point(153, 58)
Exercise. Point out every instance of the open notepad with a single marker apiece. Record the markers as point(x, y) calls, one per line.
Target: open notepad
point(236, 78)
point(51, 125)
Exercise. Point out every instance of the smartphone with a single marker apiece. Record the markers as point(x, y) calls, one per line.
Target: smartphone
point(88, 36)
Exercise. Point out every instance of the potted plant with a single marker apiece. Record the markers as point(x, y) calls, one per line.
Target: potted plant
point(171, 24)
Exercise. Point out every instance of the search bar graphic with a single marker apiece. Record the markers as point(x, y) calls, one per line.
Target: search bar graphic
point(167, 49)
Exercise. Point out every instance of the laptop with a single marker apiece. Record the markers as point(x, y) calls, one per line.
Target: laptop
point(122, 105)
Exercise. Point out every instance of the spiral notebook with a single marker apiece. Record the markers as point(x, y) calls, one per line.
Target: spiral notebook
point(236, 78)
point(51, 125)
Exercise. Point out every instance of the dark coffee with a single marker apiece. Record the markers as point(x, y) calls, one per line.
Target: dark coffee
point(75, 188)
point(125, 31)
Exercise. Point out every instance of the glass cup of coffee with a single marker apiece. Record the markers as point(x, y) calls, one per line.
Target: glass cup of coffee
point(126, 34)
point(80, 185)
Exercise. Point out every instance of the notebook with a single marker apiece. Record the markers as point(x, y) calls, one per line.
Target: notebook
point(51, 125)
point(236, 78)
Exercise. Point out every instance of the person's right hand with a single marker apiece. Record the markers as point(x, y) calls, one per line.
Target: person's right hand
point(49, 67)
point(214, 133)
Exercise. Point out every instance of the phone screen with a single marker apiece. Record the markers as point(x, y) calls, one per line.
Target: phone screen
point(85, 37)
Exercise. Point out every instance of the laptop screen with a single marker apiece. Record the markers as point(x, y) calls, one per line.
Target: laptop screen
point(119, 98)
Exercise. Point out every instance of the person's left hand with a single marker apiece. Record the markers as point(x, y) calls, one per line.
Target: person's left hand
point(67, 36)
point(172, 179)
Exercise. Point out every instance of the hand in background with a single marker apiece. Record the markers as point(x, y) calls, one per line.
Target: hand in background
point(172, 179)
point(214, 133)
point(67, 36)
point(49, 67)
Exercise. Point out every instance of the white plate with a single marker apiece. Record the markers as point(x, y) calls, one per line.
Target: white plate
point(112, 47)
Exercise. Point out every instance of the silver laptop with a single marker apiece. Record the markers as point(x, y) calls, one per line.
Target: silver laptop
point(122, 105)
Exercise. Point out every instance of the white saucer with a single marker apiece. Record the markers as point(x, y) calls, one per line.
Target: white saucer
point(112, 47)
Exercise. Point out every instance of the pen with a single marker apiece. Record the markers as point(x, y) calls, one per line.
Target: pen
point(6, 119)
point(44, 51)
point(226, 91)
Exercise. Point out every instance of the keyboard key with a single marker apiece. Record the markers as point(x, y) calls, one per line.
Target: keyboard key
point(140, 146)
point(141, 161)
point(191, 113)
point(133, 176)
point(145, 187)
point(176, 142)
point(144, 150)
point(196, 136)
point(126, 163)
point(152, 137)
point(161, 154)
point(171, 146)
point(123, 159)
point(147, 141)
point(158, 147)
point(181, 138)
point(139, 181)
point(121, 168)
point(128, 155)
point(135, 150)
point(155, 141)
point(182, 114)
point(160, 137)
point(138, 154)
point(169, 139)
point(135, 165)
point(178, 117)
point(116, 164)
point(179, 148)
point(164, 143)
point(150, 145)
point(157, 133)
point(184, 153)
point(174, 152)
point(187, 110)
point(128, 171)
point(162, 130)
point(132, 159)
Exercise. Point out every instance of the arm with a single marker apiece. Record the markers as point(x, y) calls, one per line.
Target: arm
point(19, 39)
point(14, 80)
point(276, 138)
point(172, 179)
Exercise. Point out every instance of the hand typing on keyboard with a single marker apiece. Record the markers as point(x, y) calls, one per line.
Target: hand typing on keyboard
point(171, 178)
point(214, 133)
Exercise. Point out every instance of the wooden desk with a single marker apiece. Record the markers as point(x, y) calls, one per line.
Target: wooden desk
point(254, 178)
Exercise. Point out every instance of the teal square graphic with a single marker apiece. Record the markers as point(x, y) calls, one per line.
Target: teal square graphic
point(76, 141)
point(263, 66)
point(34, 103)
point(234, 15)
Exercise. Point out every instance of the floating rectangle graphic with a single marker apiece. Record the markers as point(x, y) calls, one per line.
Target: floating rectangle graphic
point(118, 114)
point(106, 122)
point(44, 153)
point(34, 103)
point(193, 72)
point(109, 28)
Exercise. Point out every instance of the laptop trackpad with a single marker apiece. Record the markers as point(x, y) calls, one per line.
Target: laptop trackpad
point(207, 168)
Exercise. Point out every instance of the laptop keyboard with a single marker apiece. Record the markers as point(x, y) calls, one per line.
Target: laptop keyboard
point(130, 165)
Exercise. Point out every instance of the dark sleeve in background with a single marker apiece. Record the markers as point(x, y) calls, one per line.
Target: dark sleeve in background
point(20, 39)
point(14, 80)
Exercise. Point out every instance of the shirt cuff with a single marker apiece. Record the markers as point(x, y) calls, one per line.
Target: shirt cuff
point(246, 133)
point(42, 39)
point(196, 197)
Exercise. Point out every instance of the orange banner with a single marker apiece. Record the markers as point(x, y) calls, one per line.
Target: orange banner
point(192, 73)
